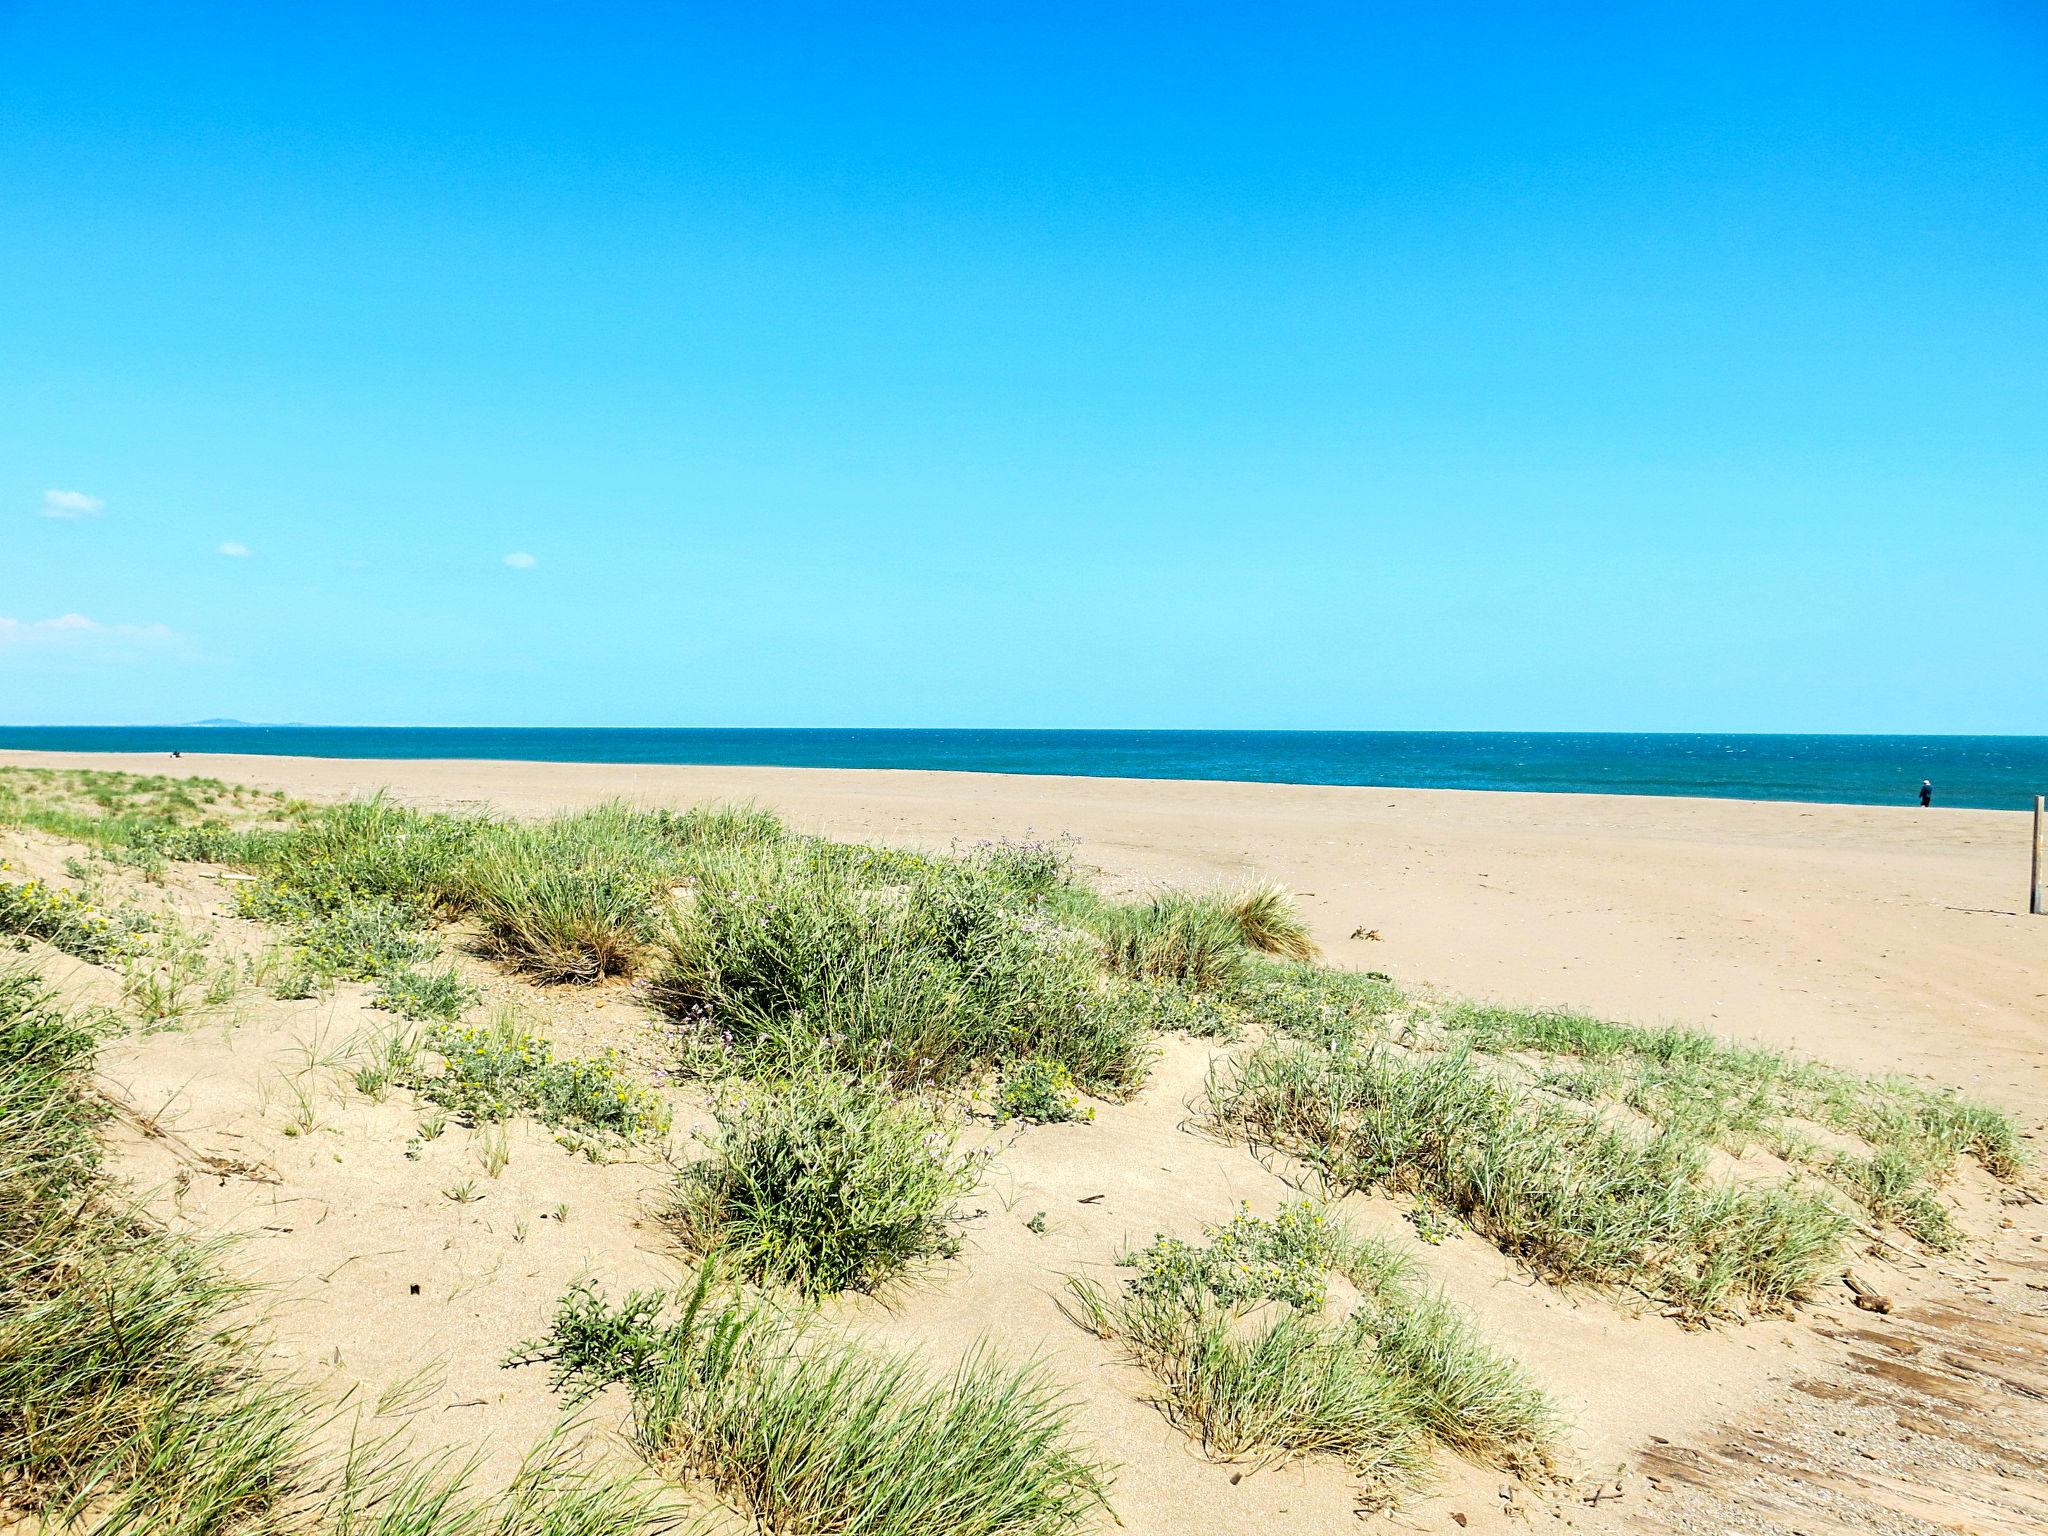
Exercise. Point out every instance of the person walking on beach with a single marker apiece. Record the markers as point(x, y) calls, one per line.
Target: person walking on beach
point(1926, 793)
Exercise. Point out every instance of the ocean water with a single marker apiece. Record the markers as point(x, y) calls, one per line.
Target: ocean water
point(2003, 772)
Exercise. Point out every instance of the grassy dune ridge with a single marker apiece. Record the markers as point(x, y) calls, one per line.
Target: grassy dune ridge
point(849, 1008)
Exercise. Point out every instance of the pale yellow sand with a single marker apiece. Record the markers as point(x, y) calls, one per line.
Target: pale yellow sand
point(1877, 938)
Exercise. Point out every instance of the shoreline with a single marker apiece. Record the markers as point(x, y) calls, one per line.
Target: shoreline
point(1882, 937)
point(1970, 772)
point(138, 762)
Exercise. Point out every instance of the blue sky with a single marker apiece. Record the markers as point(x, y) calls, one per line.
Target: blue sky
point(1365, 365)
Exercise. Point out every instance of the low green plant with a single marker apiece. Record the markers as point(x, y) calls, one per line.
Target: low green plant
point(719, 829)
point(803, 1432)
point(371, 851)
point(130, 1395)
point(1166, 1007)
point(493, 1150)
point(1039, 1091)
point(500, 1069)
point(425, 995)
point(1895, 1188)
point(1734, 1095)
point(168, 975)
point(1248, 1260)
point(137, 820)
point(385, 1490)
point(64, 920)
point(363, 940)
point(1031, 869)
point(824, 1182)
point(1309, 1002)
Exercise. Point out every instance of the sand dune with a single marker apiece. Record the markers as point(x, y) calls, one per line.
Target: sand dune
point(1880, 939)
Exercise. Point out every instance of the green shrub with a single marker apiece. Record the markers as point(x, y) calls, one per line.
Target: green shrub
point(361, 852)
point(825, 1182)
point(1311, 1003)
point(820, 1436)
point(1039, 1091)
point(1165, 1007)
point(1030, 869)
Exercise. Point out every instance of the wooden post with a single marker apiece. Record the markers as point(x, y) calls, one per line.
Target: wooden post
point(2039, 903)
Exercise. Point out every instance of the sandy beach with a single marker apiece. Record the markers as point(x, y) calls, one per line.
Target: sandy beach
point(1879, 939)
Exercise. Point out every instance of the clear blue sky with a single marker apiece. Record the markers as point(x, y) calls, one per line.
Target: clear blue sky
point(1355, 365)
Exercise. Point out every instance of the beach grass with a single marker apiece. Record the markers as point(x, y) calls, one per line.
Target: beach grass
point(1177, 937)
point(931, 979)
point(571, 899)
point(1576, 1195)
point(1240, 1333)
point(133, 1395)
point(805, 1431)
point(125, 1386)
point(1736, 1096)
point(1596, 1152)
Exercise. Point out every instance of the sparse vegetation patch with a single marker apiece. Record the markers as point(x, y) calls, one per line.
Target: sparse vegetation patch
point(808, 1433)
point(1255, 1360)
point(492, 1072)
point(1574, 1194)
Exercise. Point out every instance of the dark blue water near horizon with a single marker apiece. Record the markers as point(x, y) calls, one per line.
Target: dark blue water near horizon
point(2000, 772)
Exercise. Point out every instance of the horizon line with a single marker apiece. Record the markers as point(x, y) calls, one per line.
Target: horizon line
point(225, 724)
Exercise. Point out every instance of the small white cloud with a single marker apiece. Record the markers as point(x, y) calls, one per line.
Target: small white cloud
point(77, 629)
point(519, 560)
point(238, 551)
point(70, 505)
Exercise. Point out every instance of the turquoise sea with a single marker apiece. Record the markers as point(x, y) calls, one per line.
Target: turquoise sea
point(2003, 772)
